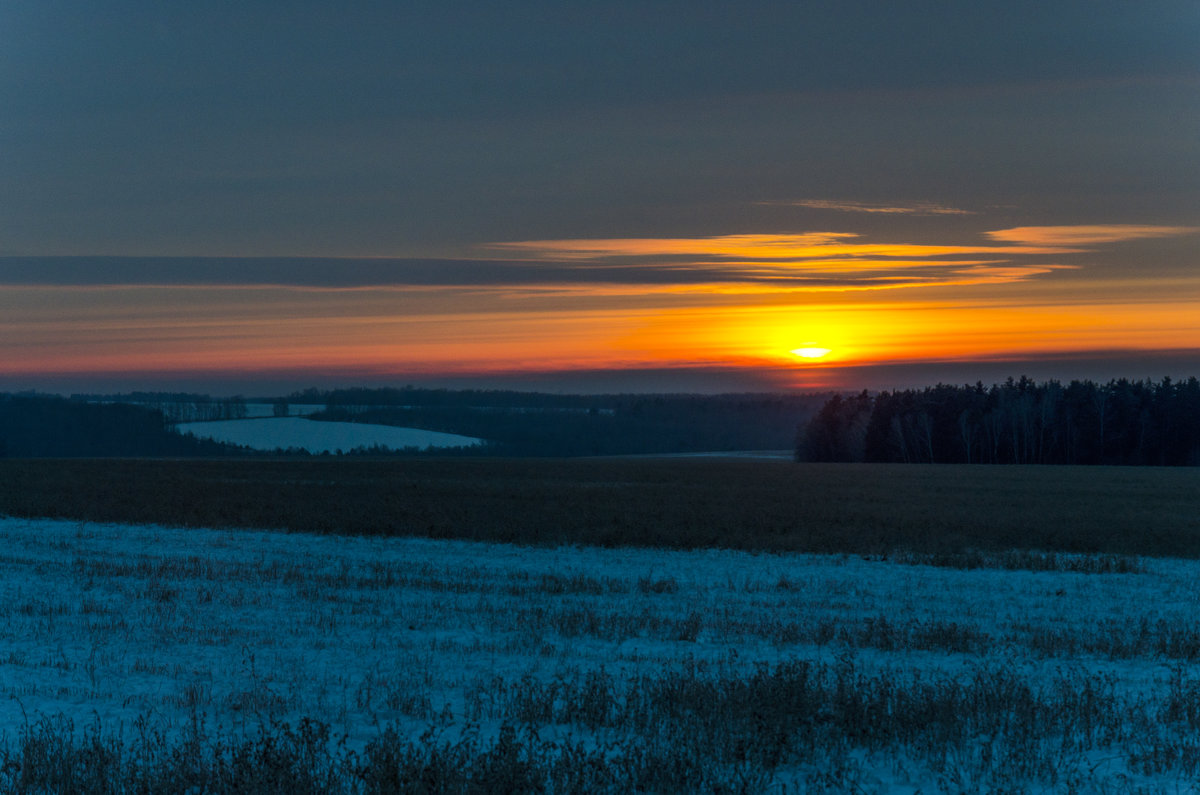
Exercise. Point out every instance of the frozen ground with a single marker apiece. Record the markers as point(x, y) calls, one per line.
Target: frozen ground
point(320, 437)
point(112, 625)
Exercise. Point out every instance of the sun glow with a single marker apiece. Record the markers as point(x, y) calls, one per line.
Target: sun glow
point(811, 352)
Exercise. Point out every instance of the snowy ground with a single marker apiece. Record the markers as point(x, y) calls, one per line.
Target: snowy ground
point(285, 433)
point(110, 625)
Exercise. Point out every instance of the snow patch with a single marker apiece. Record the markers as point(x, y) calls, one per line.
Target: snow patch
point(284, 433)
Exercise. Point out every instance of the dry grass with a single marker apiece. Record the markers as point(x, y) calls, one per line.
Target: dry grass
point(927, 511)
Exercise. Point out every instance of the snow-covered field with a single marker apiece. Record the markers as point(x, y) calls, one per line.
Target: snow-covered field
point(286, 433)
point(1072, 680)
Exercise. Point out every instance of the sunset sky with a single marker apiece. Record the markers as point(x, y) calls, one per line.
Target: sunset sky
point(258, 196)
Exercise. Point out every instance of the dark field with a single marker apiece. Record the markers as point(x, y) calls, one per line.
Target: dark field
point(863, 509)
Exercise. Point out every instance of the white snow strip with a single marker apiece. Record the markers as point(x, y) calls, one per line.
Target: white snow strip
point(275, 433)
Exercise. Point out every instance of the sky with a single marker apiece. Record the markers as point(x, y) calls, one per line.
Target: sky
point(256, 197)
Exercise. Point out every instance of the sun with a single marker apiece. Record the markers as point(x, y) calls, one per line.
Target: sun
point(811, 352)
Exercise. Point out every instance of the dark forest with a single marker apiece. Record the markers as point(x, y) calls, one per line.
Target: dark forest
point(1018, 422)
point(37, 426)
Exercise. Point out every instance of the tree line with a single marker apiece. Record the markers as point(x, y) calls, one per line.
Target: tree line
point(513, 423)
point(34, 425)
point(1122, 422)
point(539, 424)
point(178, 407)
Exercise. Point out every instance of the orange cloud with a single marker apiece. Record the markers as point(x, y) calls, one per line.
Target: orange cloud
point(778, 247)
point(770, 246)
point(807, 262)
point(1085, 235)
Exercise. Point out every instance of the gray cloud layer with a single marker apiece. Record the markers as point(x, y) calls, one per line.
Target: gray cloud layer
point(251, 271)
point(384, 128)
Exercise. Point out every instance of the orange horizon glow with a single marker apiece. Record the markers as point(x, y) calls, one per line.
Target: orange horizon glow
point(740, 334)
point(791, 303)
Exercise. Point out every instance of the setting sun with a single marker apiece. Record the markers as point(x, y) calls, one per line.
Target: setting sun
point(811, 352)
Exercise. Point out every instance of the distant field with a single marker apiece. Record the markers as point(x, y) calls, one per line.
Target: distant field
point(935, 511)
